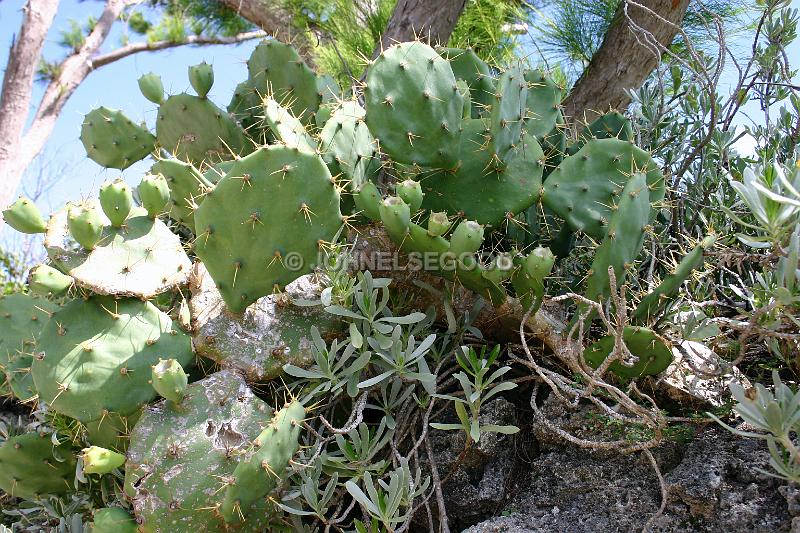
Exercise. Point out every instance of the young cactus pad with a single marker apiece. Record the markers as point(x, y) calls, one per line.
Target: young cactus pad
point(180, 457)
point(113, 520)
point(169, 380)
point(112, 140)
point(585, 187)
point(262, 225)
point(82, 374)
point(97, 460)
point(480, 189)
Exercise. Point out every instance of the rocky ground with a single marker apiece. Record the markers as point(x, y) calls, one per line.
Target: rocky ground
point(535, 482)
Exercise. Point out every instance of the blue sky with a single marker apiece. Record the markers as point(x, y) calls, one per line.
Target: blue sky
point(115, 86)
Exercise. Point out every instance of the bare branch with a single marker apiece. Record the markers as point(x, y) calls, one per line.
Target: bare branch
point(135, 48)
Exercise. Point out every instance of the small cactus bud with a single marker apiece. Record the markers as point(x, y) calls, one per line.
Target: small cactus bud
point(151, 87)
point(116, 199)
point(202, 78)
point(169, 380)
point(438, 224)
point(154, 194)
point(24, 216)
point(85, 225)
point(97, 460)
point(411, 193)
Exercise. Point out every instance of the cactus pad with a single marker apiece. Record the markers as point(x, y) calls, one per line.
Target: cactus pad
point(584, 188)
point(276, 70)
point(262, 468)
point(187, 186)
point(142, 259)
point(508, 111)
point(653, 352)
point(22, 318)
point(181, 458)
point(413, 105)
point(543, 103)
point(195, 130)
point(112, 140)
point(285, 127)
point(478, 188)
point(272, 332)
point(95, 356)
point(346, 143)
point(286, 205)
point(469, 67)
point(29, 468)
point(24, 216)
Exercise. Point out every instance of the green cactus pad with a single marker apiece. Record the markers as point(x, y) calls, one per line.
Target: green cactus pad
point(45, 280)
point(346, 143)
point(624, 240)
point(413, 105)
point(245, 106)
point(285, 127)
point(113, 520)
point(612, 125)
point(260, 470)
point(112, 140)
point(32, 468)
point(180, 458)
point(195, 130)
point(248, 250)
point(469, 67)
point(112, 430)
point(528, 280)
point(508, 112)
point(585, 186)
point(187, 186)
point(478, 188)
point(653, 302)
point(276, 70)
point(94, 356)
point(271, 333)
point(22, 318)
point(24, 216)
point(543, 103)
point(142, 259)
point(654, 353)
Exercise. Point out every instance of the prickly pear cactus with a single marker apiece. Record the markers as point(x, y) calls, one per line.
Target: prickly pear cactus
point(22, 318)
point(481, 188)
point(263, 466)
point(112, 140)
point(187, 187)
point(251, 254)
point(413, 105)
point(272, 332)
point(83, 375)
point(31, 467)
point(585, 188)
point(653, 354)
point(24, 216)
point(182, 457)
point(141, 259)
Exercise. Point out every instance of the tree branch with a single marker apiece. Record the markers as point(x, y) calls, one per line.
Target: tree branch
point(275, 20)
point(625, 60)
point(15, 99)
point(135, 48)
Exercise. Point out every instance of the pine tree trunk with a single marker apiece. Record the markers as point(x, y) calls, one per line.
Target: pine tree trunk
point(626, 58)
point(430, 20)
